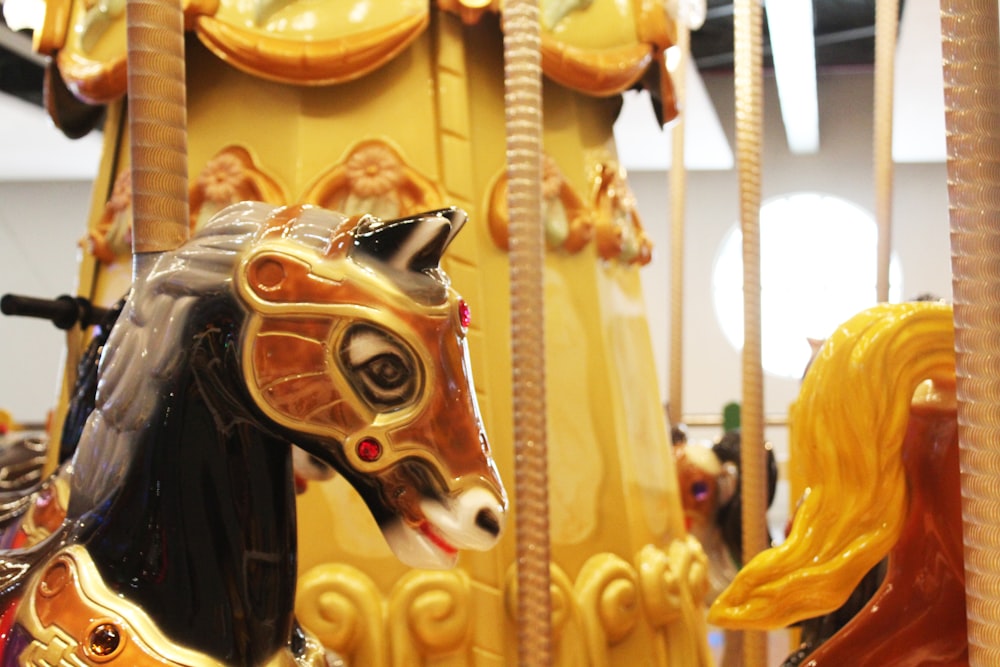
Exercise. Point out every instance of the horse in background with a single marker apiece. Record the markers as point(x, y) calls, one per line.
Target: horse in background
point(876, 429)
point(709, 482)
point(271, 327)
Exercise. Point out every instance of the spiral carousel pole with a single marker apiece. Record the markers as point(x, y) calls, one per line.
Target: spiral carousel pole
point(971, 49)
point(678, 184)
point(523, 106)
point(747, 18)
point(157, 123)
point(886, 24)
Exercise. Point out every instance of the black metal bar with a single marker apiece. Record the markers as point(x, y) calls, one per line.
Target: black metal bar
point(64, 311)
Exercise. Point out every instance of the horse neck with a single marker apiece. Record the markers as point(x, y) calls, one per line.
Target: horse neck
point(918, 614)
point(201, 533)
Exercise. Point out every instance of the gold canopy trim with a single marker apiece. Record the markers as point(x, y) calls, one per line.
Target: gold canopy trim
point(90, 47)
point(300, 61)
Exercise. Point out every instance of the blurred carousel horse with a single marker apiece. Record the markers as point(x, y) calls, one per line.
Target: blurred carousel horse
point(875, 430)
point(709, 480)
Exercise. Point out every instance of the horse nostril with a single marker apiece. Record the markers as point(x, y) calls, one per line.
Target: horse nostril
point(488, 521)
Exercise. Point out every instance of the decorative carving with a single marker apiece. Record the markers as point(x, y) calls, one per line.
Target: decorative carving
point(612, 600)
point(470, 11)
point(430, 613)
point(281, 51)
point(569, 223)
point(564, 606)
point(111, 238)
point(602, 72)
point(373, 177)
point(230, 177)
point(673, 583)
point(71, 619)
point(45, 514)
point(619, 230)
point(608, 592)
point(342, 607)
point(97, 18)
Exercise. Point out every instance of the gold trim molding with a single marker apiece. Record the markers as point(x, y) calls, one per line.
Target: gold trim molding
point(429, 614)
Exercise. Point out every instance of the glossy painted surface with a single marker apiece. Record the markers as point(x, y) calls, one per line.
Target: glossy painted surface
point(875, 436)
point(601, 47)
point(917, 616)
point(179, 540)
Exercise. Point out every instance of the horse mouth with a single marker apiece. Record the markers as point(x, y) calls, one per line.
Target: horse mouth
point(427, 530)
point(420, 545)
point(437, 529)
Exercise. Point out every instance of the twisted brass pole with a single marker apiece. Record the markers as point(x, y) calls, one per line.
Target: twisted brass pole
point(748, 18)
point(972, 113)
point(523, 107)
point(157, 123)
point(678, 185)
point(886, 23)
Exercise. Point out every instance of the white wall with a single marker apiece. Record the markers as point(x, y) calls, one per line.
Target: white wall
point(41, 225)
point(843, 167)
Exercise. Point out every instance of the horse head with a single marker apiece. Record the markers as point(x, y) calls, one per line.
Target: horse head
point(359, 350)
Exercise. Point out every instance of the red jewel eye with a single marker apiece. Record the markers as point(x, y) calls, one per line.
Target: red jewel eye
point(464, 314)
point(369, 450)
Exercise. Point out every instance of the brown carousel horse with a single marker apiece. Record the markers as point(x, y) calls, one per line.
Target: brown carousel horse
point(709, 483)
point(874, 432)
point(271, 327)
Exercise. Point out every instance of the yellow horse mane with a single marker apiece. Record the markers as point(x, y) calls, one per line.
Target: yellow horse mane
point(847, 429)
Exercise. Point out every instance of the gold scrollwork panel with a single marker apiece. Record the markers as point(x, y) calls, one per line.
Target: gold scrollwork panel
point(430, 617)
point(616, 610)
point(342, 607)
point(673, 583)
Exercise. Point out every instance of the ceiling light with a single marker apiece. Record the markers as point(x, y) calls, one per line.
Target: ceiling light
point(793, 49)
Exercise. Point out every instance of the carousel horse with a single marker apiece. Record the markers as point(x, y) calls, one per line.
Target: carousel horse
point(874, 431)
point(709, 482)
point(271, 327)
point(814, 632)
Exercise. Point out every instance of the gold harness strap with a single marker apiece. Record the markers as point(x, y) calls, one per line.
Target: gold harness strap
point(73, 619)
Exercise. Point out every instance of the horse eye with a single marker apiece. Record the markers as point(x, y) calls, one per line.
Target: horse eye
point(380, 366)
point(388, 371)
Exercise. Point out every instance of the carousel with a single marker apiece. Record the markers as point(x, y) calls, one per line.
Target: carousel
point(364, 374)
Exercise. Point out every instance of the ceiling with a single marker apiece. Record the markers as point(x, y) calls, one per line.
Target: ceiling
point(843, 30)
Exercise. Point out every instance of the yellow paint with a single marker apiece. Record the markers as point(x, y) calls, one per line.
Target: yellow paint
point(624, 572)
point(847, 431)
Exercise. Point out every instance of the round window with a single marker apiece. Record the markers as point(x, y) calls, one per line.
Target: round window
point(818, 268)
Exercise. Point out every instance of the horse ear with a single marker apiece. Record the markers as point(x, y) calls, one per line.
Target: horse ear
point(727, 482)
point(413, 244)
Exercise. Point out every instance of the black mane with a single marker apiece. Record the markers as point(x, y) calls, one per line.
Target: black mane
point(208, 485)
